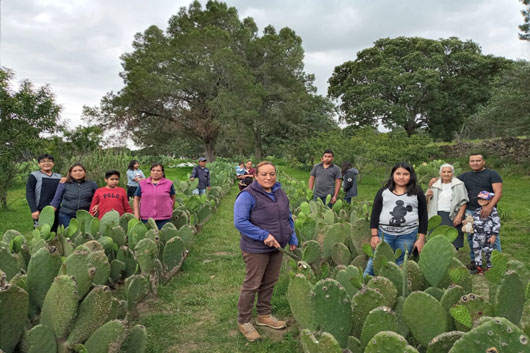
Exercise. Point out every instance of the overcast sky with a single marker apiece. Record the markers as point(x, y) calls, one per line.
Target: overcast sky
point(74, 45)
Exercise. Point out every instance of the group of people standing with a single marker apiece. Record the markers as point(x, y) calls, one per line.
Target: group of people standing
point(400, 215)
point(153, 197)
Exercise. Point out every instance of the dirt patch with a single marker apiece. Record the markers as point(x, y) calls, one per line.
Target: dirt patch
point(276, 335)
point(222, 253)
point(183, 348)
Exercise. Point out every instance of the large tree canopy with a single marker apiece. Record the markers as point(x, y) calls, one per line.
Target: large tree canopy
point(25, 114)
point(414, 83)
point(525, 27)
point(207, 71)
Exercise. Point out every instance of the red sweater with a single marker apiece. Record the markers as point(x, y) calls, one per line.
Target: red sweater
point(110, 199)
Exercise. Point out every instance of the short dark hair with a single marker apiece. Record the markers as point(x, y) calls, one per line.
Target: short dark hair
point(328, 151)
point(161, 167)
point(110, 173)
point(478, 153)
point(45, 156)
point(131, 164)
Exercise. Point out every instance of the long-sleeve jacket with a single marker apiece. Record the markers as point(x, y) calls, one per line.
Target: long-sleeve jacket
point(459, 197)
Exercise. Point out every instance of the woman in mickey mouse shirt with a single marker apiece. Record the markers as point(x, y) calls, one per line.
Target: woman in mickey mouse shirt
point(399, 214)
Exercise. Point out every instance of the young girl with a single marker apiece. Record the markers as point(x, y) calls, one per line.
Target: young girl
point(75, 194)
point(134, 175)
point(399, 213)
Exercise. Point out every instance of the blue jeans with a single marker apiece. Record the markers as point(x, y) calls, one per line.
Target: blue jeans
point(403, 242)
point(198, 191)
point(159, 223)
point(348, 199)
point(64, 219)
point(496, 246)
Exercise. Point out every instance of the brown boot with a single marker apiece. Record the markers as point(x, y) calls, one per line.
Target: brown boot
point(249, 331)
point(270, 321)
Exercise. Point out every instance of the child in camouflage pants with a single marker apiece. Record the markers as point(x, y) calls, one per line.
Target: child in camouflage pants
point(486, 231)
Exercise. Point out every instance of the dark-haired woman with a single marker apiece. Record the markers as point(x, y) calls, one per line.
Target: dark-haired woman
point(349, 180)
point(399, 214)
point(74, 194)
point(134, 175)
point(154, 198)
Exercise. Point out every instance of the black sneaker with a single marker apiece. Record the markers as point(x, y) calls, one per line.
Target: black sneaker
point(477, 271)
point(471, 266)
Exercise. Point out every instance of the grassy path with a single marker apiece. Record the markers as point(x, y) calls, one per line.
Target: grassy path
point(196, 311)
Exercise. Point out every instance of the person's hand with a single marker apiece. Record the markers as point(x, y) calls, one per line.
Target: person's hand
point(432, 181)
point(333, 200)
point(374, 241)
point(95, 209)
point(492, 239)
point(457, 221)
point(419, 243)
point(192, 179)
point(292, 247)
point(137, 215)
point(271, 241)
point(209, 188)
point(486, 211)
point(35, 215)
point(62, 180)
point(428, 194)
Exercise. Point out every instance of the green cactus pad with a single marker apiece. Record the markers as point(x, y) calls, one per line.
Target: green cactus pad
point(109, 220)
point(186, 233)
point(362, 303)
point(459, 275)
point(402, 327)
point(351, 278)
point(424, 327)
point(41, 339)
point(8, 262)
point(92, 246)
point(495, 335)
point(118, 236)
point(354, 345)
point(311, 251)
point(434, 222)
point(84, 218)
point(510, 297)
point(173, 253)
point(388, 342)
point(93, 312)
point(78, 265)
point(146, 253)
point(392, 271)
point(477, 307)
point(384, 286)
point(449, 232)
point(13, 314)
point(444, 341)
point(435, 259)
point(117, 269)
point(304, 268)
point(107, 338)
point(60, 305)
point(136, 233)
point(331, 235)
point(136, 340)
point(47, 216)
point(435, 292)
point(451, 297)
point(167, 233)
point(377, 320)
point(326, 343)
point(137, 288)
point(383, 254)
point(124, 221)
point(100, 261)
point(42, 269)
point(299, 297)
point(340, 254)
point(360, 261)
point(332, 309)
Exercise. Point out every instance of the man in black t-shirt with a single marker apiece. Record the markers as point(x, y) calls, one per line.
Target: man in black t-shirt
point(478, 179)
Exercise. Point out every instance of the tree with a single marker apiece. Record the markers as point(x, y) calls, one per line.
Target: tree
point(415, 84)
point(525, 27)
point(25, 114)
point(84, 139)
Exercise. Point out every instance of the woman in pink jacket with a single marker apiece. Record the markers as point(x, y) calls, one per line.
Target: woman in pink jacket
point(155, 197)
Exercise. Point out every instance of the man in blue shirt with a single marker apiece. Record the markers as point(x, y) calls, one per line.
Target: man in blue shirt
point(203, 174)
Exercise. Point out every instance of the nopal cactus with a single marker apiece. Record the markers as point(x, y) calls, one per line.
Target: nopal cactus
point(146, 252)
point(435, 259)
point(299, 297)
point(40, 339)
point(107, 338)
point(325, 343)
point(8, 262)
point(42, 269)
point(386, 288)
point(332, 309)
point(388, 341)
point(379, 319)
point(13, 314)
point(510, 297)
point(136, 340)
point(362, 303)
point(424, 327)
point(311, 251)
point(351, 279)
point(444, 341)
point(78, 265)
point(60, 305)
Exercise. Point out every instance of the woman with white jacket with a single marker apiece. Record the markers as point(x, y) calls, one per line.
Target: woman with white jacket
point(447, 198)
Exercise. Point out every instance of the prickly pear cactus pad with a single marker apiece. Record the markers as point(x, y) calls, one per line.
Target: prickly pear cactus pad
point(443, 342)
point(331, 235)
point(362, 303)
point(435, 292)
point(351, 279)
point(136, 340)
point(379, 319)
point(42, 269)
point(510, 298)
point(383, 253)
point(340, 254)
point(13, 314)
point(41, 339)
point(107, 338)
point(435, 259)
point(386, 288)
point(146, 252)
point(311, 250)
point(415, 277)
point(459, 275)
point(326, 343)
point(425, 316)
point(332, 309)
point(299, 297)
point(388, 342)
point(392, 271)
point(476, 306)
point(8, 262)
point(60, 305)
point(497, 335)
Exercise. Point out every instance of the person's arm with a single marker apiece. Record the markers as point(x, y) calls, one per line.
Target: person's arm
point(242, 207)
point(208, 181)
point(348, 181)
point(311, 182)
point(423, 221)
point(136, 201)
point(95, 202)
point(374, 218)
point(130, 176)
point(293, 240)
point(31, 198)
point(193, 173)
point(486, 210)
point(432, 181)
point(58, 198)
point(337, 189)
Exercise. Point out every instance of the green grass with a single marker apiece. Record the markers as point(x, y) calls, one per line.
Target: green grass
point(197, 310)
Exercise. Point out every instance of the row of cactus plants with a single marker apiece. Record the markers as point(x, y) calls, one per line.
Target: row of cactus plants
point(78, 289)
point(428, 304)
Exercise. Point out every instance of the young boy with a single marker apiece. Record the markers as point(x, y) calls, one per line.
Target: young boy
point(110, 197)
point(240, 175)
point(202, 173)
point(486, 230)
point(41, 187)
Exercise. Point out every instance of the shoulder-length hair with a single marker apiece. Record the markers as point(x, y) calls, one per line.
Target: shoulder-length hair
point(69, 178)
point(412, 187)
point(131, 164)
point(345, 166)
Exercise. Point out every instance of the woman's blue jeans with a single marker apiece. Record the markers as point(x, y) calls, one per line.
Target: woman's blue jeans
point(403, 242)
point(64, 219)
